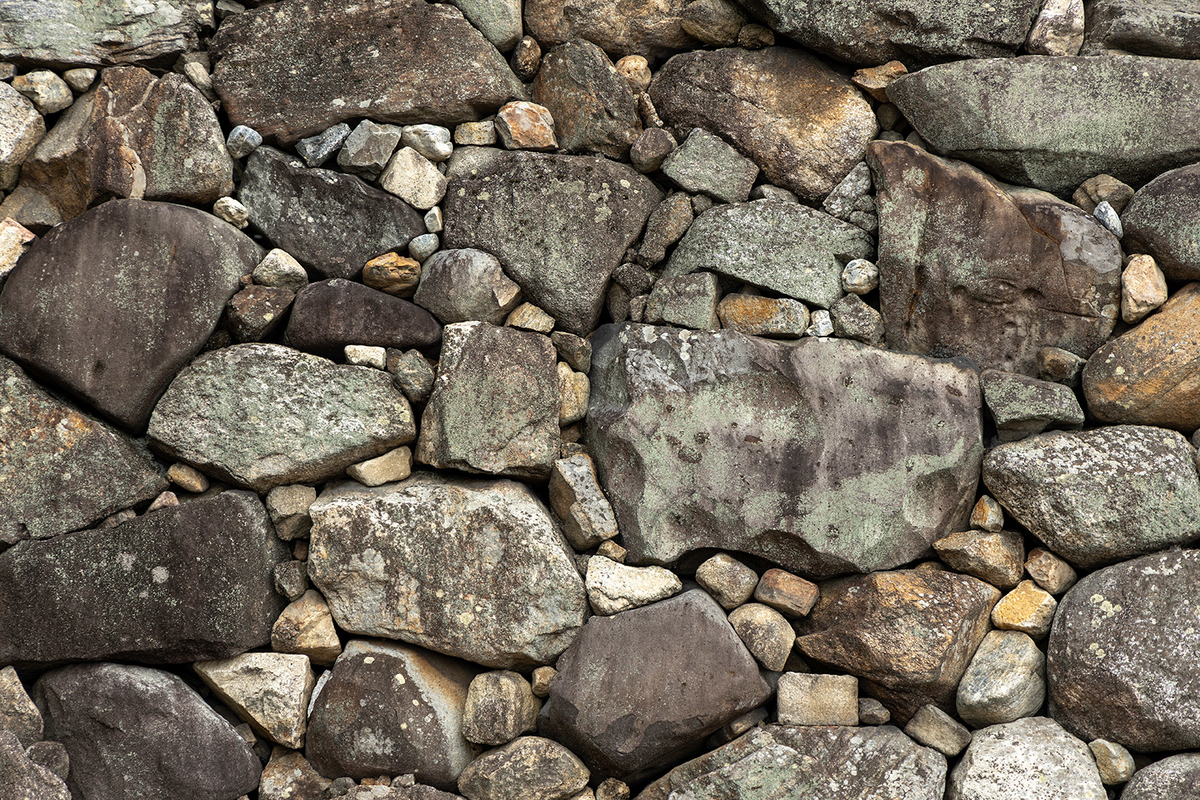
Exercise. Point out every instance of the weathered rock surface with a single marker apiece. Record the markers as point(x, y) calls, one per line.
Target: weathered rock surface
point(970, 268)
point(18, 715)
point(761, 419)
point(804, 125)
point(133, 729)
point(1161, 221)
point(306, 627)
point(475, 569)
point(500, 706)
point(1128, 634)
point(271, 691)
point(614, 587)
point(466, 285)
point(621, 721)
point(1052, 123)
point(560, 225)
point(498, 20)
point(289, 776)
point(329, 315)
point(1166, 28)
point(1022, 406)
point(90, 304)
point(23, 778)
point(593, 108)
point(529, 768)
point(22, 129)
point(1004, 681)
point(1174, 776)
point(292, 417)
point(289, 70)
point(61, 470)
point(1102, 495)
point(332, 223)
point(647, 29)
point(1031, 758)
point(995, 557)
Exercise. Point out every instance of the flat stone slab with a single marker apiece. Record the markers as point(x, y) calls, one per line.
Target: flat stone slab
point(1166, 28)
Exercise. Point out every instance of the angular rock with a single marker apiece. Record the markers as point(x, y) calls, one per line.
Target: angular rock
point(46, 90)
point(765, 632)
point(23, 778)
point(475, 569)
point(906, 654)
point(817, 699)
point(665, 227)
point(316, 150)
point(14, 242)
point(993, 557)
point(154, 262)
point(126, 726)
point(1022, 406)
point(1021, 271)
point(529, 317)
point(1166, 28)
point(649, 29)
point(367, 149)
point(414, 179)
point(1100, 189)
point(289, 776)
point(500, 706)
point(1027, 608)
point(1173, 776)
point(1102, 495)
point(575, 390)
point(251, 314)
point(395, 465)
point(495, 403)
point(393, 274)
point(479, 134)
point(61, 470)
point(801, 122)
point(935, 728)
point(21, 128)
point(614, 587)
point(332, 223)
point(412, 373)
point(854, 319)
point(306, 627)
point(587, 211)
point(1051, 572)
point(987, 515)
point(530, 768)
point(1032, 758)
point(1060, 366)
point(773, 317)
point(621, 721)
point(268, 690)
point(1004, 681)
point(1058, 30)
point(498, 20)
point(818, 522)
point(278, 269)
point(290, 70)
point(288, 507)
point(1161, 221)
point(423, 246)
point(785, 247)
point(787, 593)
point(729, 581)
point(714, 22)
point(579, 503)
point(262, 415)
point(1143, 288)
point(687, 301)
point(389, 709)
point(1128, 634)
point(466, 285)
point(704, 163)
point(328, 315)
point(521, 125)
point(118, 592)
point(980, 110)
point(18, 715)
point(594, 111)
point(651, 149)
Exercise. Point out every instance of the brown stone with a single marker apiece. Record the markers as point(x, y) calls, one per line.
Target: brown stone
point(393, 273)
point(306, 627)
point(252, 313)
point(786, 592)
point(1027, 608)
point(1100, 189)
point(993, 557)
point(593, 108)
point(645, 28)
point(874, 80)
point(525, 126)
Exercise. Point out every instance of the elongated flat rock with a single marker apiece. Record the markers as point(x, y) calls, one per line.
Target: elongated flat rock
point(263, 415)
point(648, 29)
point(781, 450)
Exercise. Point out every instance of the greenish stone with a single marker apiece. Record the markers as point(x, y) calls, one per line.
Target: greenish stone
point(1004, 681)
point(1022, 406)
point(1166, 28)
point(705, 163)
point(1163, 220)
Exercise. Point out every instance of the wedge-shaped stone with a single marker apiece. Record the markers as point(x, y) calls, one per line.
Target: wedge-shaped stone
point(263, 415)
point(329, 315)
point(529, 768)
point(21, 128)
point(268, 690)
point(738, 426)
point(475, 569)
point(592, 107)
point(23, 778)
point(186, 583)
point(306, 626)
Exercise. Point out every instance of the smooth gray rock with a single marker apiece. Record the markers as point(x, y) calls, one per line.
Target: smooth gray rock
point(466, 285)
point(1162, 220)
point(1022, 406)
point(21, 128)
point(1128, 634)
point(329, 315)
point(593, 109)
point(1053, 122)
point(1032, 758)
point(1004, 681)
point(475, 569)
point(935, 728)
point(1100, 496)
point(528, 768)
point(1167, 28)
point(704, 163)
point(726, 404)
point(785, 247)
point(23, 778)
point(1174, 776)
point(498, 20)
point(263, 415)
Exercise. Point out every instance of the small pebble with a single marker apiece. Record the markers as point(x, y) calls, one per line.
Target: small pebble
point(541, 680)
point(787, 593)
point(1051, 572)
point(766, 191)
point(526, 59)
point(118, 518)
point(423, 246)
point(279, 269)
point(414, 179)
point(80, 79)
point(478, 134)
point(574, 389)
point(232, 211)
point(728, 580)
point(935, 728)
point(526, 126)
point(198, 74)
point(1107, 216)
point(242, 141)
point(431, 141)
point(1060, 366)
point(316, 150)
point(288, 508)
point(612, 789)
point(987, 515)
point(872, 712)
point(612, 550)
point(860, 277)
point(187, 478)
point(636, 72)
point(821, 325)
point(1027, 608)
point(651, 149)
point(1143, 288)
point(766, 633)
point(433, 220)
point(1004, 681)
point(48, 92)
point(291, 579)
point(875, 80)
point(392, 466)
point(411, 373)
point(366, 356)
point(164, 500)
point(368, 148)
point(854, 319)
point(393, 273)
point(1114, 762)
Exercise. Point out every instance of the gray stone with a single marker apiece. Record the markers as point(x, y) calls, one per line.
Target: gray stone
point(728, 580)
point(853, 191)
point(270, 691)
point(242, 141)
point(651, 149)
point(1031, 758)
point(704, 163)
point(1060, 366)
point(987, 283)
point(500, 706)
point(1161, 221)
point(414, 179)
point(391, 709)
point(995, 557)
point(1032, 121)
point(51, 755)
point(935, 728)
point(412, 373)
point(1100, 496)
point(665, 227)
point(1167, 28)
point(23, 778)
point(395, 465)
point(431, 141)
point(466, 285)
point(1107, 217)
point(21, 128)
point(765, 632)
point(621, 721)
point(18, 715)
point(579, 503)
point(279, 270)
point(498, 20)
point(573, 349)
point(367, 149)
point(288, 508)
point(773, 317)
point(588, 212)
point(1173, 776)
point(688, 301)
point(860, 277)
point(423, 246)
point(329, 315)
point(316, 150)
point(292, 417)
point(651, 29)
point(475, 569)
point(594, 111)
point(854, 319)
point(289, 776)
point(530, 768)
point(253, 313)
point(872, 712)
point(613, 588)
point(1128, 634)
point(1022, 406)
point(291, 579)
point(678, 499)
point(330, 222)
point(1051, 572)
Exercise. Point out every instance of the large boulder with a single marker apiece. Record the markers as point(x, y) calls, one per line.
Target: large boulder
point(1167, 28)
point(328, 315)
point(475, 569)
point(560, 225)
point(683, 673)
point(1129, 634)
point(968, 267)
point(784, 451)
point(805, 125)
point(61, 470)
point(1053, 122)
point(1162, 220)
point(181, 584)
point(134, 731)
point(592, 107)
point(294, 68)
point(1032, 758)
point(264, 415)
point(111, 305)
point(646, 28)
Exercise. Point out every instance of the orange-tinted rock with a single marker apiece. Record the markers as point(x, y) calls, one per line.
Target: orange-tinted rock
point(526, 126)
point(393, 273)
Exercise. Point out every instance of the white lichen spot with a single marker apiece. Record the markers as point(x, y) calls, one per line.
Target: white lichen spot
point(159, 574)
point(126, 560)
point(369, 660)
point(399, 679)
point(466, 618)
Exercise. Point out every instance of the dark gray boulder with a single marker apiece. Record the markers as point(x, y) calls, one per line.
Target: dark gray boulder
point(1174, 776)
point(594, 111)
point(1166, 28)
point(1162, 219)
point(328, 315)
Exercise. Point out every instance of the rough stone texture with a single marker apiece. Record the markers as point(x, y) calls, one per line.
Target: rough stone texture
point(116, 592)
point(530, 768)
point(495, 403)
point(521, 125)
point(888, 487)
point(993, 557)
point(728, 580)
point(1151, 374)
point(270, 691)
point(332, 223)
point(263, 415)
point(817, 699)
point(280, 270)
point(1128, 634)
point(329, 315)
point(835, 763)
point(23, 778)
point(1174, 776)
point(665, 227)
point(1022, 406)
point(368, 147)
point(579, 503)
point(412, 373)
point(705, 163)
point(559, 224)
point(686, 301)
point(1051, 123)
point(394, 465)
point(290, 70)
point(133, 729)
point(1115, 763)
point(21, 128)
point(414, 179)
point(89, 306)
point(1004, 681)
point(594, 111)
point(907, 635)
point(970, 268)
point(500, 706)
point(1051, 572)
point(1100, 496)
point(785, 247)
point(1058, 30)
point(1028, 608)
point(475, 569)
point(289, 776)
point(253, 313)
point(306, 627)
point(773, 317)
point(18, 715)
point(614, 587)
point(466, 285)
point(390, 709)
point(498, 20)
point(621, 721)
point(61, 470)
point(647, 29)
point(786, 593)
point(15, 239)
point(935, 728)
point(1143, 288)
point(1167, 28)
point(1032, 758)
point(804, 125)
point(766, 634)
point(1100, 189)
point(852, 318)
